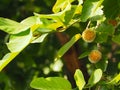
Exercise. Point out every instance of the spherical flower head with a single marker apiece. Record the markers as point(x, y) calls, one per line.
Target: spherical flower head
point(89, 35)
point(95, 56)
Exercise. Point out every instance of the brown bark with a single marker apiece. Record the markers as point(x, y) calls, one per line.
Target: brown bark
point(71, 59)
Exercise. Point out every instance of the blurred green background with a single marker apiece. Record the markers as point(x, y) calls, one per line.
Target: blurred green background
point(36, 59)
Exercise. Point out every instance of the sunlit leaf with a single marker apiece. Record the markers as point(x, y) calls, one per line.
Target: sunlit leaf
point(19, 41)
point(44, 30)
point(40, 39)
point(51, 83)
point(97, 17)
point(13, 27)
point(80, 2)
point(33, 22)
point(64, 17)
point(95, 77)
point(91, 8)
point(61, 5)
point(75, 9)
point(59, 17)
point(7, 58)
point(69, 14)
point(67, 46)
point(79, 79)
point(9, 26)
point(57, 20)
point(115, 80)
point(34, 27)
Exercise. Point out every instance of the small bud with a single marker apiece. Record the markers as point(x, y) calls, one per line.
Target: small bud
point(95, 56)
point(88, 35)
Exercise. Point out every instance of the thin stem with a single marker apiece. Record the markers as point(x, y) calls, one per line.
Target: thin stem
point(88, 24)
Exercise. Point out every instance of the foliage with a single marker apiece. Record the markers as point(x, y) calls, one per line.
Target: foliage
point(51, 83)
point(33, 38)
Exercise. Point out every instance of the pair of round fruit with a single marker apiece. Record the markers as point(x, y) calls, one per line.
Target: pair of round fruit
point(89, 35)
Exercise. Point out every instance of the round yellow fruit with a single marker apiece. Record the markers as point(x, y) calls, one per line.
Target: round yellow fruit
point(95, 56)
point(89, 35)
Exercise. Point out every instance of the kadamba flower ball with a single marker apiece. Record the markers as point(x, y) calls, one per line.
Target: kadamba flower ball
point(89, 35)
point(95, 56)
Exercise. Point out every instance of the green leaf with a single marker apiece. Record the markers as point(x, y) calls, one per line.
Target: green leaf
point(116, 39)
point(111, 8)
point(102, 64)
point(34, 22)
point(84, 54)
point(101, 37)
point(54, 21)
point(18, 42)
point(91, 8)
point(64, 17)
point(31, 21)
point(59, 17)
point(44, 30)
point(61, 5)
point(67, 46)
point(51, 83)
point(103, 31)
point(40, 39)
point(95, 77)
point(79, 79)
point(80, 2)
point(9, 26)
point(115, 80)
point(106, 28)
point(69, 15)
point(7, 58)
point(13, 27)
point(97, 17)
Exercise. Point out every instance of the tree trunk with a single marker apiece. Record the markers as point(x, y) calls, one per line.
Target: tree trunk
point(71, 59)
